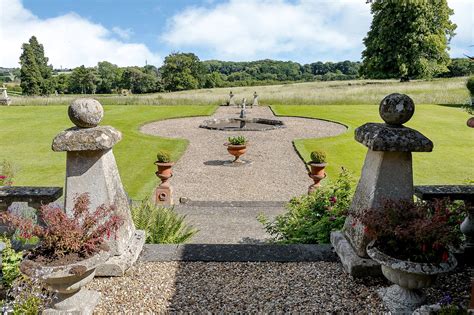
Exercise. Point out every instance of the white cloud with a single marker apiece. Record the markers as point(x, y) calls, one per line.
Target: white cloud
point(306, 29)
point(69, 40)
point(243, 29)
point(464, 18)
point(123, 33)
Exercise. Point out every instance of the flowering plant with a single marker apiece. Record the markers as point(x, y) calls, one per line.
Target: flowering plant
point(414, 231)
point(6, 173)
point(83, 234)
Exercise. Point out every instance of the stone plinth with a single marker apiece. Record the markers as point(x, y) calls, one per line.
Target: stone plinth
point(91, 168)
point(387, 174)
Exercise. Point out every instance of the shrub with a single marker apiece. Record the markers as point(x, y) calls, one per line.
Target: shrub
point(162, 225)
point(318, 157)
point(470, 85)
point(26, 297)
point(7, 173)
point(239, 140)
point(163, 157)
point(311, 218)
point(83, 234)
point(414, 231)
point(10, 263)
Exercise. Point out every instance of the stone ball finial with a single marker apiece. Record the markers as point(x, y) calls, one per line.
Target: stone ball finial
point(396, 109)
point(85, 112)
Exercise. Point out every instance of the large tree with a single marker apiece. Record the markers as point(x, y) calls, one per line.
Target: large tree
point(109, 77)
point(407, 39)
point(35, 72)
point(182, 71)
point(82, 81)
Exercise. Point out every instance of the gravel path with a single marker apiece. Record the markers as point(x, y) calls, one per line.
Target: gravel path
point(275, 174)
point(198, 287)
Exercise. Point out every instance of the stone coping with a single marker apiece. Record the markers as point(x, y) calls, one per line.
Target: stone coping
point(11, 194)
point(238, 252)
point(453, 192)
point(232, 204)
point(383, 137)
point(86, 139)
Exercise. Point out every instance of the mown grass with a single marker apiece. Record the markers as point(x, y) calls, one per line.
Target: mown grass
point(370, 92)
point(26, 134)
point(451, 162)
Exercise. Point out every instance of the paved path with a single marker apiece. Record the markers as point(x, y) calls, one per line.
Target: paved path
point(276, 173)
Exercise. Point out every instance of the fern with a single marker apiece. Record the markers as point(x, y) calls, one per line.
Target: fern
point(162, 225)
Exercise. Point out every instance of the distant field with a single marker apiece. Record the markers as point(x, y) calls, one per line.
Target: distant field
point(367, 92)
point(452, 159)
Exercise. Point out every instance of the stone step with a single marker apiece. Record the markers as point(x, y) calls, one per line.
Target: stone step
point(229, 222)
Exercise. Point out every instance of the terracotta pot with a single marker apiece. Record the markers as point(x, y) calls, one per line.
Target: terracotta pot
point(317, 174)
point(470, 122)
point(67, 283)
point(408, 277)
point(236, 150)
point(164, 169)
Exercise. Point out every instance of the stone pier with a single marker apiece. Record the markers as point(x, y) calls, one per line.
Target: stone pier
point(387, 174)
point(91, 168)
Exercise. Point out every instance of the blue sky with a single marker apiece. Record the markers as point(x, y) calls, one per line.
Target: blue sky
point(130, 32)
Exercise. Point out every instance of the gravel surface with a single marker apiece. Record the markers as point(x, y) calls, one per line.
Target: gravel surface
point(276, 173)
point(199, 287)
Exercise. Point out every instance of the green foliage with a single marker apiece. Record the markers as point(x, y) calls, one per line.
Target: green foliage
point(139, 81)
point(239, 140)
point(35, 74)
point(311, 218)
point(7, 173)
point(82, 81)
point(162, 225)
point(108, 76)
point(318, 157)
point(182, 71)
point(30, 306)
point(470, 85)
point(163, 157)
point(10, 263)
point(408, 39)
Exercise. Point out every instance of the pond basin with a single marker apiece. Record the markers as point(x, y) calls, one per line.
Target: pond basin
point(243, 124)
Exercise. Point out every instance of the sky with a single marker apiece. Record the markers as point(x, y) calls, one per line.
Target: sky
point(140, 32)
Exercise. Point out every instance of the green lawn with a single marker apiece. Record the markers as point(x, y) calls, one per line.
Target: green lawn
point(451, 162)
point(26, 134)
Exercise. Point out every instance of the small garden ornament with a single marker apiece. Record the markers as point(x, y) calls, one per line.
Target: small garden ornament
point(317, 173)
point(164, 192)
point(236, 146)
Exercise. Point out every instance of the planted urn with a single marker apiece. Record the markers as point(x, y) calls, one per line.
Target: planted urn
point(236, 146)
point(164, 164)
point(69, 251)
point(317, 165)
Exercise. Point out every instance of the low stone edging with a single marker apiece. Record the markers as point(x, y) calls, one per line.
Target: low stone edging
point(238, 252)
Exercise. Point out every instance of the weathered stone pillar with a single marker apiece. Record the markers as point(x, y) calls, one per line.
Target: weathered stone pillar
point(231, 99)
point(91, 168)
point(387, 174)
point(255, 99)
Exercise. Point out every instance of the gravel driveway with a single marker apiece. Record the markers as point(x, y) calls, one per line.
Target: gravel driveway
point(276, 173)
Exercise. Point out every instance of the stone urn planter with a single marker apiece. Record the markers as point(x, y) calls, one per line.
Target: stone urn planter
point(317, 173)
point(237, 150)
point(67, 282)
point(408, 277)
point(164, 169)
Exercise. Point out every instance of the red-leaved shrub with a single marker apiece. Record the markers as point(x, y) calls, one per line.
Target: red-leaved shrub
point(414, 231)
point(60, 235)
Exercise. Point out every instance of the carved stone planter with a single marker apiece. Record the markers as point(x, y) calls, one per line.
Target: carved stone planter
point(67, 283)
point(236, 151)
point(164, 192)
point(317, 174)
point(409, 278)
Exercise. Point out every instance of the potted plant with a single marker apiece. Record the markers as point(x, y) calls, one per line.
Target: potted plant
point(68, 252)
point(411, 241)
point(164, 164)
point(317, 165)
point(236, 146)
